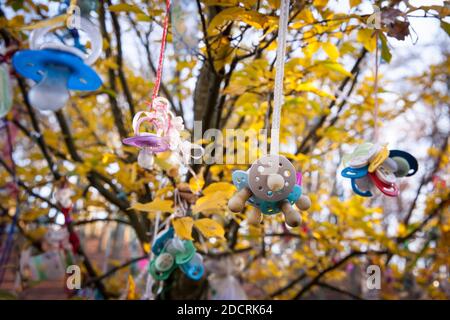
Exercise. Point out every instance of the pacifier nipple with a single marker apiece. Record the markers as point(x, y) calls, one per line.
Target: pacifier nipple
point(146, 158)
point(51, 92)
point(275, 182)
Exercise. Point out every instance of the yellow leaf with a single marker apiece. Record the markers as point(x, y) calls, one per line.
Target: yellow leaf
point(252, 18)
point(401, 230)
point(311, 48)
point(157, 205)
point(309, 87)
point(209, 228)
point(183, 227)
point(354, 3)
point(225, 187)
point(320, 3)
point(334, 66)
point(331, 50)
point(222, 3)
point(46, 23)
point(131, 294)
point(146, 247)
point(306, 15)
point(215, 198)
point(196, 183)
point(125, 7)
point(367, 38)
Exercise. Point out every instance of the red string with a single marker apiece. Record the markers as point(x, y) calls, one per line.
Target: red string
point(74, 240)
point(161, 53)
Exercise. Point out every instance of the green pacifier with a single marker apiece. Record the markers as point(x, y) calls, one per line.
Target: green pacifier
point(182, 250)
point(162, 266)
point(402, 167)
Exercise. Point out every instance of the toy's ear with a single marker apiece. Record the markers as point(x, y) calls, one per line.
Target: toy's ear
point(240, 179)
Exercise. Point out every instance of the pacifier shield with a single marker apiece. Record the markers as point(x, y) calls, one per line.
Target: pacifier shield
point(360, 184)
point(412, 161)
point(402, 166)
point(32, 64)
point(354, 173)
point(153, 142)
point(186, 255)
point(385, 175)
point(194, 269)
point(161, 240)
point(164, 262)
point(260, 171)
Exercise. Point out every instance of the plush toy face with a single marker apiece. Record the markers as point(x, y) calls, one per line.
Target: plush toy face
point(272, 178)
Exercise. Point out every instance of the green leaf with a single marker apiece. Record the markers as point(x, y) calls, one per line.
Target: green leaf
point(385, 51)
point(446, 27)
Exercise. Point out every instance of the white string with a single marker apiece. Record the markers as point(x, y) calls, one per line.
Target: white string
point(279, 76)
point(148, 290)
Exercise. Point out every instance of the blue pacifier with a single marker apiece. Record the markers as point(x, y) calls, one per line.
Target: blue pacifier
point(58, 68)
point(194, 268)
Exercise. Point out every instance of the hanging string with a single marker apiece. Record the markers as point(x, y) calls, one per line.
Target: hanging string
point(161, 52)
point(376, 104)
point(6, 252)
point(279, 76)
point(148, 288)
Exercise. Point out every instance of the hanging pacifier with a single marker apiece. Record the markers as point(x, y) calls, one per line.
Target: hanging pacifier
point(6, 100)
point(166, 135)
point(171, 253)
point(270, 185)
point(151, 143)
point(57, 68)
point(371, 165)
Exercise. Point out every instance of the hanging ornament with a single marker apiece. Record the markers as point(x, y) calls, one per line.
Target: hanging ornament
point(166, 135)
point(63, 195)
point(49, 265)
point(222, 281)
point(57, 68)
point(171, 253)
point(272, 185)
point(5, 91)
point(373, 164)
point(167, 128)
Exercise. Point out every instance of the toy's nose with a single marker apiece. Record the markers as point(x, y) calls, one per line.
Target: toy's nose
point(51, 92)
point(275, 182)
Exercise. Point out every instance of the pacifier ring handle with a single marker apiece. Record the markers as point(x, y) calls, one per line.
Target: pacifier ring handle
point(85, 25)
point(62, 47)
